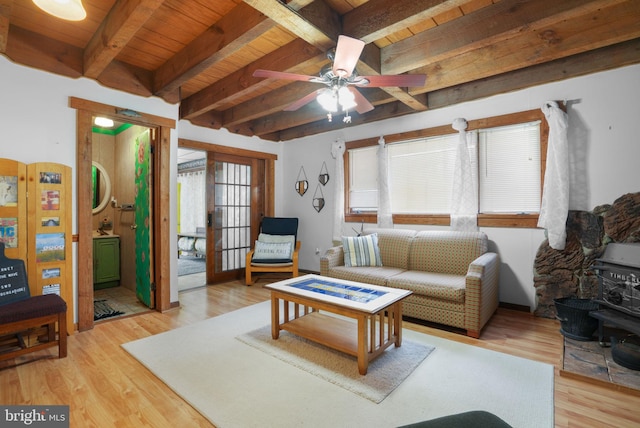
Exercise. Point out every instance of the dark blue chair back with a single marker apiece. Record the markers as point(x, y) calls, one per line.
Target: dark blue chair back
point(280, 226)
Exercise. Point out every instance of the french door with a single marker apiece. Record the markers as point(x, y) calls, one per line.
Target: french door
point(235, 204)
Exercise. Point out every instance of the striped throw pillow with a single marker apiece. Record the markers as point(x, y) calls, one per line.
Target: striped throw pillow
point(361, 250)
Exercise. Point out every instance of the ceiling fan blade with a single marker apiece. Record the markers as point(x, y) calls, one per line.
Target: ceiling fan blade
point(302, 101)
point(347, 54)
point(363, 104)
point(400, 80)
point(282, 75)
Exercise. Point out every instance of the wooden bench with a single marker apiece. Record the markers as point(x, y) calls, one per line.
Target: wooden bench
point(35, 312)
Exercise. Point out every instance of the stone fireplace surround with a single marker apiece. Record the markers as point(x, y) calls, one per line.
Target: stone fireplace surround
point(567, 273)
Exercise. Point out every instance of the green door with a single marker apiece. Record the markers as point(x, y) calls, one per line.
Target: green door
point(143, 224)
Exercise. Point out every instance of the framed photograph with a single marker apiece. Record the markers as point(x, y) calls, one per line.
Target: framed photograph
point(50, 200)
point(50, 273)
point(49, 247)
point(51, 177)
point(8, 191)
point(9, 232)
point(51, 289)
point(50, 221)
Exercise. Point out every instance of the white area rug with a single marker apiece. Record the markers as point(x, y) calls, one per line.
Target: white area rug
point(236, 385)
point(384, 374)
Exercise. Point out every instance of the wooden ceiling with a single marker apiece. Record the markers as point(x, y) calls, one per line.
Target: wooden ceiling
point(202, 53)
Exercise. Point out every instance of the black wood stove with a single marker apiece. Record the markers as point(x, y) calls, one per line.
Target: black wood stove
point(619, 298)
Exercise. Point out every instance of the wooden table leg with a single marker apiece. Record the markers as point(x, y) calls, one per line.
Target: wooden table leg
point(397, 323)
point(363, 357)
point(275, 317)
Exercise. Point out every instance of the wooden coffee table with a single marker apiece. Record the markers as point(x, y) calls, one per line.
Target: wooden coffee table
point(317, 308)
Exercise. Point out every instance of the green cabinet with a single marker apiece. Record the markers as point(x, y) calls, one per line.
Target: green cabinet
point(106, 262)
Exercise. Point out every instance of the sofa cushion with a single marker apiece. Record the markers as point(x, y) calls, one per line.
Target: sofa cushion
point(369, 275)
point(361, 250)
point(446, 251)
point(394, 246)
point(435, 285)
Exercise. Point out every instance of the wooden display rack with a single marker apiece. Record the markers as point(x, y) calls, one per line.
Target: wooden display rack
point(36, 225)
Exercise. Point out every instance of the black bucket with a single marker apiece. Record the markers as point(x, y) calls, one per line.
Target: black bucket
point(575, 322)
point(626, 351)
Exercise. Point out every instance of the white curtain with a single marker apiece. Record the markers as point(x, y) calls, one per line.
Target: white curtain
point(555, 194)
point(464, 197)
point(385, 218)
point(192, 200)
point(337, 152)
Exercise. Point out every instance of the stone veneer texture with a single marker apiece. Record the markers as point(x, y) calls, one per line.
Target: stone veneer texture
point(568, 273)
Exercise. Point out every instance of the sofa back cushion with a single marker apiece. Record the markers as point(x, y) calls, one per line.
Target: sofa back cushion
point(446, 251)
point(394, 246)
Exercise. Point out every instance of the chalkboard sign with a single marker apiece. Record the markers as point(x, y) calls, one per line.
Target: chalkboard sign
point(13, 279)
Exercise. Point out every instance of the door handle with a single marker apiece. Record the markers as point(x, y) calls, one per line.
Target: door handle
point(209, 219)
point(133, 226)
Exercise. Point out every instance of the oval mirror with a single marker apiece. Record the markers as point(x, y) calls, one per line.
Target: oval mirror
point(101, 186)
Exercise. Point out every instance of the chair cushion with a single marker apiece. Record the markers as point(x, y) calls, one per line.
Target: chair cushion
point(265, 237)
point(272, 252)
point(34, 307)
point(361, 250)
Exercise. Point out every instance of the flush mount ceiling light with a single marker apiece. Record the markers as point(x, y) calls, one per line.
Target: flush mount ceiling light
point(103, 122)
point(71, 10)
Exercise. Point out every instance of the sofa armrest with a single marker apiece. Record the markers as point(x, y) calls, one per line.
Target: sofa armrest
point(481, 295)
point(333, 257)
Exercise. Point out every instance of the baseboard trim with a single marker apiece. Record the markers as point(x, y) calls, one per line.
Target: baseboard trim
point(514, 307)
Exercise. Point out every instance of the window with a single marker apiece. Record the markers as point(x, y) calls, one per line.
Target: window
point(507, 164)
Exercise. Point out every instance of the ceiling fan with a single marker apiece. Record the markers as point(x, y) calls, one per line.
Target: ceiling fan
point(341, 80)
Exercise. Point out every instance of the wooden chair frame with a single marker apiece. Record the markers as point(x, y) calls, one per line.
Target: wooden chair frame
point(284, 267)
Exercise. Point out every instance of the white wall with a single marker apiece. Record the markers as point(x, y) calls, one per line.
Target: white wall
point(37, 125)
point(603, 108)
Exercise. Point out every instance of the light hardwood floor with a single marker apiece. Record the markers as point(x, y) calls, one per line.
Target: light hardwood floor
point(105, 387)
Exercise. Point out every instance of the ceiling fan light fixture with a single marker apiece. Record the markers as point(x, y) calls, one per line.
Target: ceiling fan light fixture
point(70, 10)
point(328, 99)
point(346, 99)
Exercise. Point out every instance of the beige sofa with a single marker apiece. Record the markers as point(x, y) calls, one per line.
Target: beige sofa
point(453, 277)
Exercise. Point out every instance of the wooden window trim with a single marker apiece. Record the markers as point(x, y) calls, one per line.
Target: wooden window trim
point(508, 220)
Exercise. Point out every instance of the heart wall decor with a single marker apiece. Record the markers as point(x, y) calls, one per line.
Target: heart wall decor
point(302, 184)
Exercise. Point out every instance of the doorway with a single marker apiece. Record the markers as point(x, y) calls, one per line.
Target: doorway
point(158, 231)
point(191, 212)
point(239, 192)
point(122, 219)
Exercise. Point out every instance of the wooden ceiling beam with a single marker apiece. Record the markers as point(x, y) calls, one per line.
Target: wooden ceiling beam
point(291, 57)
point(122, 23)
point(607, 58)
point(34, 50)
point(196, 103)
point(268, 103)
point(374, 19)
point(239, 27)
point(319, 26)
point(130, 79)
point(488, 26)
point(597, 29)
point(387, 111)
